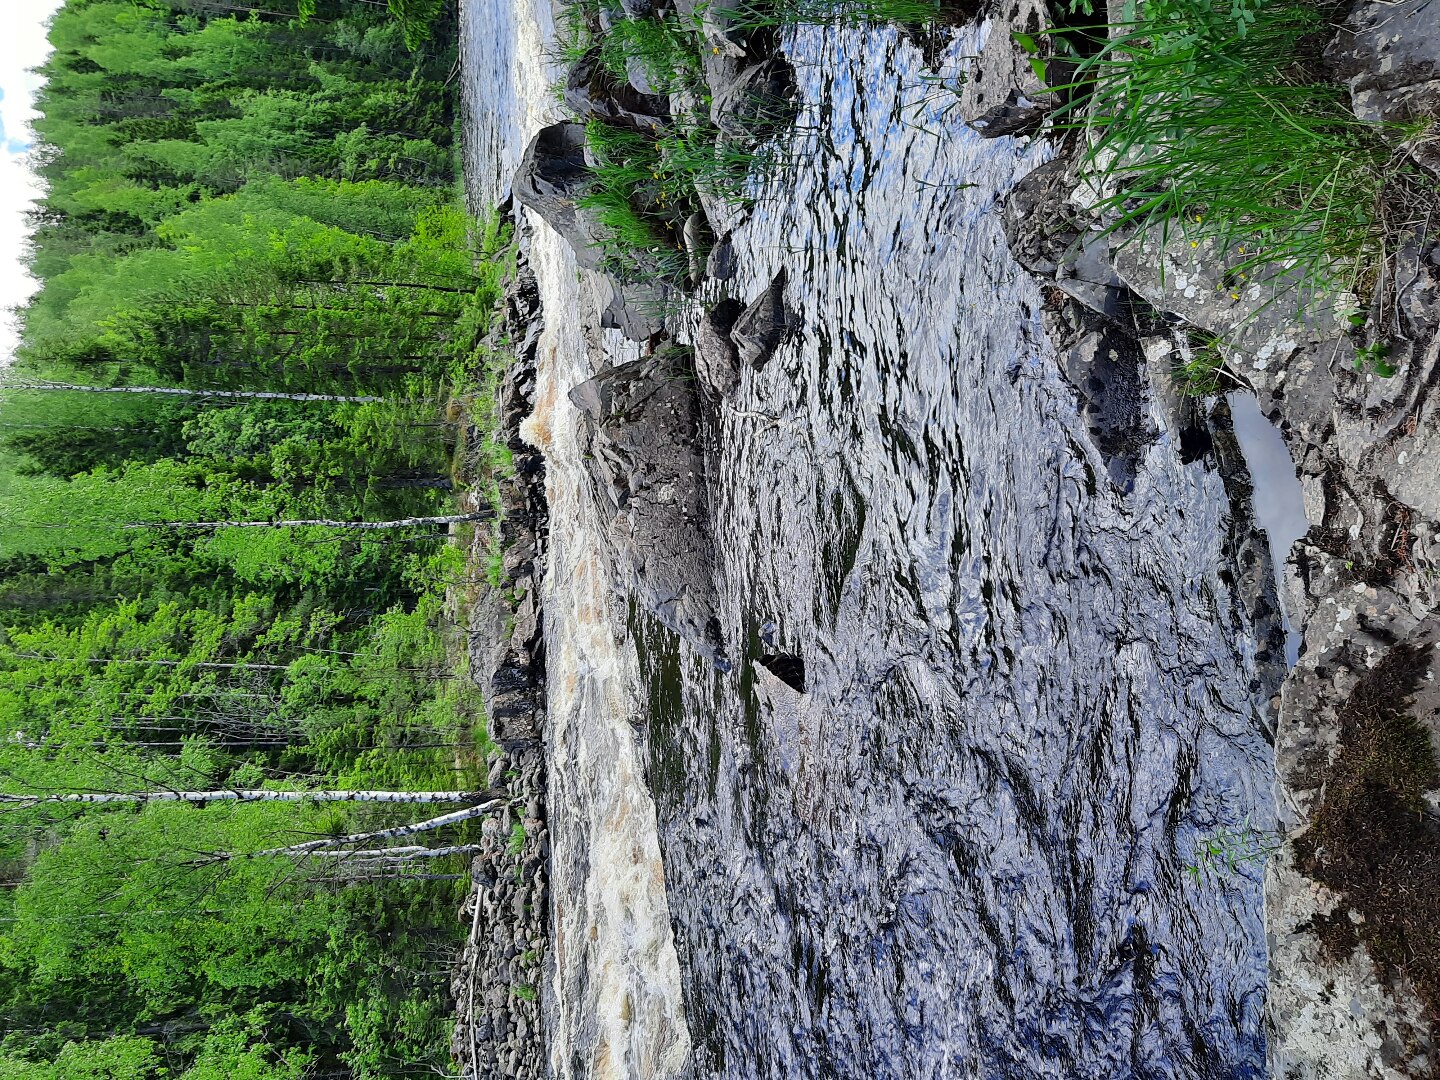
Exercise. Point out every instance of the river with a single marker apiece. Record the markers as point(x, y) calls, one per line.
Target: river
point(968, 849)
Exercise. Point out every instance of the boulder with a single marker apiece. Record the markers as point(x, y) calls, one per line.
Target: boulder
point(641, 435)
point(759, 330)
point(756, 101)
point(1016, 115)
point(722, 263)
point(635, 308)
point(1389, 56)
point(592, 93)
point(552, 174)
point(717, 361)
point(1040, 225)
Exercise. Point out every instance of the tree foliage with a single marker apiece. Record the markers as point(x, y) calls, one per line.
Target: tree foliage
point(251, 222)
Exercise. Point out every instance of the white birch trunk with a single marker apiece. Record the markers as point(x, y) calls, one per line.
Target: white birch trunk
point(262, 795)
point(320, 846)
point(398, 523)
point(242, 665)
point(229, 395)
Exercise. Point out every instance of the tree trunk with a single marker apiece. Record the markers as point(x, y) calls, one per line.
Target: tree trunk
point(162, 663)
point(229, 395)
point(398, 523)
point(319, 846)
point(231, 795)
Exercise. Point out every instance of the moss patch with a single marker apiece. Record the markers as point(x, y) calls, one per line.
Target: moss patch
point(1372, 839)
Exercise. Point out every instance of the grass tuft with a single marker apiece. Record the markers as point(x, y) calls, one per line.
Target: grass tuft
point(1207, 126)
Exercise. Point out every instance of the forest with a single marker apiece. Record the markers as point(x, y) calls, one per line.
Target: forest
point(238, 770)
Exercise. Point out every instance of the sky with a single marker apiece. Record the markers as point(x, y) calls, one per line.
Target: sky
point(22, 46)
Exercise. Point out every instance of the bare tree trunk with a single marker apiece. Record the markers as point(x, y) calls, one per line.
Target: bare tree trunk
point(232, 795)
point(328, 523)
point(238, 395)
point(162, 663)
point(316, 522)
point(318, 847)
point(373, 857)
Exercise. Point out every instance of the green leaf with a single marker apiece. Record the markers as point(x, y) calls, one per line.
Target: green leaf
point(1026, 42)
point(1038, 66)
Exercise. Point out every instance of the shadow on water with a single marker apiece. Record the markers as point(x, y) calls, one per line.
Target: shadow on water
point(986, 701)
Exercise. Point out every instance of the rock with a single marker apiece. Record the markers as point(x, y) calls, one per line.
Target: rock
point(758, 100)
point(1330, 1017)
point(1389, 56)
point(787, 667)
point(1040, 225)
point(1267, 316)
point(642, 441)
point(697, 236)
point(592, 93)
point(717, 361)
point(1104, 365)
point(1016, 115)
point(636, 309)
point(759, 330)
point(552, 174)
point(1394, 430)
point(638, 78)
point(1085, 274)
point(1002, 65)
point(721, 263)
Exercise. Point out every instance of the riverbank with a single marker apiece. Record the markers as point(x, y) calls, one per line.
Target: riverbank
point(499, 1029)
point(1354, 934)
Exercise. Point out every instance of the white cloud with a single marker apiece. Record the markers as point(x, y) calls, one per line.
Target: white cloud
point(22, 47)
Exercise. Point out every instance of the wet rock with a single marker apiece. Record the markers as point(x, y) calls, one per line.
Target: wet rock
point(1105, 365)
point(552, 174)
point(642, 441)
point(758, 100)
point(721, 264)
point(1016, 115)
point(1041, 226)
point(787, 667)
point(717, 361)
point(758, 330)
point(1389, 56)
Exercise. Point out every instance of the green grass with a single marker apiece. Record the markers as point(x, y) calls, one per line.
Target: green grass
point(630, 197)
point(1210, 129)
point(1205, 372)
point(666, 52)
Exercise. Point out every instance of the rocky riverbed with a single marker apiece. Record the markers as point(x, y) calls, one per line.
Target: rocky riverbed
point(1123, 311)
point(1350, 893)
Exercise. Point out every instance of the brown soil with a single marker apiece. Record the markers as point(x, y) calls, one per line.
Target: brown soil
point(1373, 839)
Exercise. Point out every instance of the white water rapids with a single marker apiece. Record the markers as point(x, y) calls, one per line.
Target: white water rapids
point(614, 1006)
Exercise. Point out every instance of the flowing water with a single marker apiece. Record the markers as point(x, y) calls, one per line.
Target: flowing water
point(968, 849)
